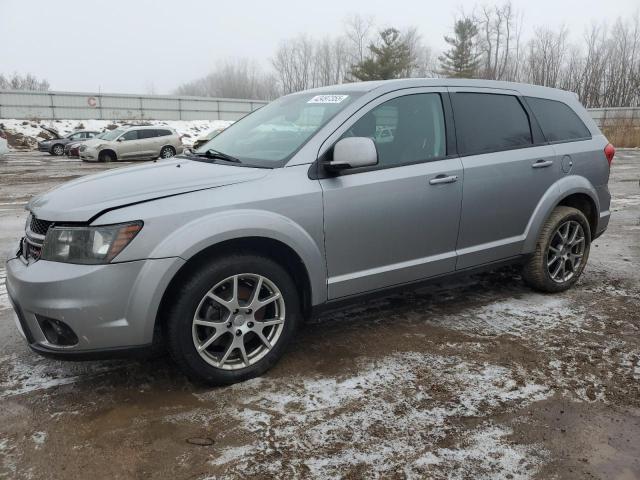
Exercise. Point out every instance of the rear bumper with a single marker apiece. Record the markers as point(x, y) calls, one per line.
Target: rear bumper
point(111, 308)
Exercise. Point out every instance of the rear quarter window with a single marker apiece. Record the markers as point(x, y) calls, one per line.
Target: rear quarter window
point(489, 122)
point(558, 121)
point(164, 133)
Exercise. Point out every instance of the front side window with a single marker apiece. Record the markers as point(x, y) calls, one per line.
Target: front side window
point(406, 129)
point(130, 135)
point(487, 122)
point(76, 136)
point(559, 123)
point(269, 136)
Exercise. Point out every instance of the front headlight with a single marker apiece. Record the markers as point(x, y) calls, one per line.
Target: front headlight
point(88, 245)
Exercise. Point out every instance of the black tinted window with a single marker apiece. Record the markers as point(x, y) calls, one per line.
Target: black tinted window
point(130, 135)
point(148, 133)
point(557, 120)
point(489, 122)
point(405, 130)
point(163, 133)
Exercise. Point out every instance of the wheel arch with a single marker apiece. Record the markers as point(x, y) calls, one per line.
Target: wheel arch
point(175, 150)
point(276, 250)
point(108, 150)
point(571, 191)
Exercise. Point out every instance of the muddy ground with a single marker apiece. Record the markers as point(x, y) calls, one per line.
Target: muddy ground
point(481, 378)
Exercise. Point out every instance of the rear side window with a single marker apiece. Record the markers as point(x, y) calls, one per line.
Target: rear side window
point(163, 133)
point(559, 123)
point(148, 133)
point(487, 122)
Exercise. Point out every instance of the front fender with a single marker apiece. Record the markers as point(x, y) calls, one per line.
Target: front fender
point(560, 190)
point(203, 232)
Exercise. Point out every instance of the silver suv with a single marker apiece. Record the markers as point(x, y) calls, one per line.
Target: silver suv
point(221, 253)
point(132, 143)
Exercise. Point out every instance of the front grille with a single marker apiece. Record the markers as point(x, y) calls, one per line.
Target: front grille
point(39, 227)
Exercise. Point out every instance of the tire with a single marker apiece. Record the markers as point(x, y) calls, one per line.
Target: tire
point(195, 318)
point(167, 152)
point(57, 150)
point(560, 257)
point(106, 157)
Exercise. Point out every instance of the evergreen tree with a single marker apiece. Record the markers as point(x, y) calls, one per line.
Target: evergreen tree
point(390, 58)
point(461, 60)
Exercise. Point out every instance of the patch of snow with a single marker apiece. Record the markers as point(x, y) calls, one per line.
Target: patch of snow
point(486, 452)
point(516, 316)
point(325, 428)
point(20, 374)
point(39, 438)
point(191, 128)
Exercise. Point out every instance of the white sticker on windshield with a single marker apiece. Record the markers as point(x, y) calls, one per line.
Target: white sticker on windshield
point(328, 98)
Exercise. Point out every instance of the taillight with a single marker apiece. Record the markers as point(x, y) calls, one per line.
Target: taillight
point(609, 152)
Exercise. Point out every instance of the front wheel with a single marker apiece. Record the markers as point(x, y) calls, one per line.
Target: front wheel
point(233, 319)
point(561, 252)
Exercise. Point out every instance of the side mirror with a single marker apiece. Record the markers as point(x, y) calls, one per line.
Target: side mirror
point(120, 139)
point(353, 152)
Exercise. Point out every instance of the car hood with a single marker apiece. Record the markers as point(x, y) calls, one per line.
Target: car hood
point(83, 199)
point(52, 131)
point(94, 142)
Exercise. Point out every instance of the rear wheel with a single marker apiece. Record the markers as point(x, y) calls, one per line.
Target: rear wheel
point(233, 319)
point(57, 150)
point(167, 152)
point(561, 252)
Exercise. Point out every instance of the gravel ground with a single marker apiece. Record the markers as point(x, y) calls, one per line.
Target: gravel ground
point(480, 378)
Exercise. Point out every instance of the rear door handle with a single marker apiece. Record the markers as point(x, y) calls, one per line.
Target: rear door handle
point(443, 179)
point(542, 164)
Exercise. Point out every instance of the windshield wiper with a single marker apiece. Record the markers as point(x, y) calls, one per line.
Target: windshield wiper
point(215, 154)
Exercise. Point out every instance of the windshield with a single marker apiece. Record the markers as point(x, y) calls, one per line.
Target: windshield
point(113, 134)
point(270, 136)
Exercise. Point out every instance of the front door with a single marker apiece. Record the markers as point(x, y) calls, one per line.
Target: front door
point(396, 222)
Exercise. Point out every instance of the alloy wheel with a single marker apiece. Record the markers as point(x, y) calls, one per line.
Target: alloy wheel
point(58, 150)
point(167, 153)
point(238, 321)
point(566, 251)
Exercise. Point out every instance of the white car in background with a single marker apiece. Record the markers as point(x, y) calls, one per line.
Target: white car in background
point(4, 145)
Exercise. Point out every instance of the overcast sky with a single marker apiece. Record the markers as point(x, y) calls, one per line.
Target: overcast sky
point(128, 46)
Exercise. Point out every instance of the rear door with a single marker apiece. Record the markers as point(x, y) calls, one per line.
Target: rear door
point(508, 167)
point(147, 140)
point(396, 222)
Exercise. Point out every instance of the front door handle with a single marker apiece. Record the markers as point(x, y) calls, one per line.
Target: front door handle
point(443, 179)
point(542, 164)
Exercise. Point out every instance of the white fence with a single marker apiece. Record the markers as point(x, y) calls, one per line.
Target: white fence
point(79, 106)
point(613, 115)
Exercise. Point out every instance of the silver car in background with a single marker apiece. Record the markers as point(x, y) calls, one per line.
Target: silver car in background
point(302, 206)
point(132, 143)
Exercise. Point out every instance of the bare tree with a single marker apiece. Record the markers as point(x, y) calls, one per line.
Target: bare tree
point(23, 82)
point(359, 32)
point(239, 79)
point(499, 28)
point(547, 50)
